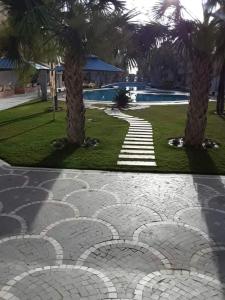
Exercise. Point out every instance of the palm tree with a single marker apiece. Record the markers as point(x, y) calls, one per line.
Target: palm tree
point(71, 27)
point(146, 40)
point(198, 39)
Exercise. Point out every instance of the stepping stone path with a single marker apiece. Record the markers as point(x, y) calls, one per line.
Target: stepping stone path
point(138, 146)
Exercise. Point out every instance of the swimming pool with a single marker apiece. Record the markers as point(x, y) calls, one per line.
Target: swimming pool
point(127, 85)
point(150, 95)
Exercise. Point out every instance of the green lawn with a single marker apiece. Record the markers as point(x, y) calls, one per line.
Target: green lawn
point(169, 121)
point(26, 133)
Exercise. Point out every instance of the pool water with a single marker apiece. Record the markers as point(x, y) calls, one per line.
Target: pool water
point(130, 85)
point(150, 95)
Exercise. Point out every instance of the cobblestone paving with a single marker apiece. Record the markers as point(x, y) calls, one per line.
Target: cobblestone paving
point(92, 235)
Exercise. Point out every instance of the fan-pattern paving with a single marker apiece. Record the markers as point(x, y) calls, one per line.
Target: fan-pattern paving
point(93, 235)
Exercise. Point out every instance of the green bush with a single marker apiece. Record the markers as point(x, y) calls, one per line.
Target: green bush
point(121, 99)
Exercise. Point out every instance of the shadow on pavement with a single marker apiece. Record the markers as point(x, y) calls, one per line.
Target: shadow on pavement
point(23, 198)
point(214, 219)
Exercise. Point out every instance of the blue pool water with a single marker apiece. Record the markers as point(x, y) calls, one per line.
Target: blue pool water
point(151, 95)
point(100, 94)
point(124, 85)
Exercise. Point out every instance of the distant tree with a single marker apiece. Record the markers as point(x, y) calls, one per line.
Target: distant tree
point(199, 40)
point(75, 28)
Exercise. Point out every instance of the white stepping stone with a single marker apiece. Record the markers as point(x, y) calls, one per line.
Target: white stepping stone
point(137, 143)
point(147, 131)
point(150, 136)
point(138, 139)
point(138, 156)
point(139, 134)
point(140, 125)
point(140, 130)
point(137, 147)
point(137, 163)
point(137, 151)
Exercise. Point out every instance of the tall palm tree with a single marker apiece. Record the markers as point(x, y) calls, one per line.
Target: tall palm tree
point(198, 39)
point(70, 25)
point(136, 45)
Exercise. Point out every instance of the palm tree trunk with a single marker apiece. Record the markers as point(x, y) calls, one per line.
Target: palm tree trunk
point(199, 99)
point(221, 92)
point(74, 99)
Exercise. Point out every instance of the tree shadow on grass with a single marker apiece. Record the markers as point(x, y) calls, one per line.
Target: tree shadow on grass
point(25, 131)
point(214, 219)
point(222, 117)
point(57, 157)
point(23, 118)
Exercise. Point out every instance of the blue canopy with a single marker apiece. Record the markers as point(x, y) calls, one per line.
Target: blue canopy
point(93, 63)
point(7, 64)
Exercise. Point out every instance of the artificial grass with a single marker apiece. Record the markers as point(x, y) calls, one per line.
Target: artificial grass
point(26, 133)
point(169, 122)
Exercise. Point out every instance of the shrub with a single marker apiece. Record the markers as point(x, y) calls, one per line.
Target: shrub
point(121, 99)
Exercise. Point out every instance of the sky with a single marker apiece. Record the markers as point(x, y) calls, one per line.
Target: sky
point(145, 6)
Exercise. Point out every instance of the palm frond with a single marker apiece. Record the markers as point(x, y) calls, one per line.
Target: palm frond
point(162, 7)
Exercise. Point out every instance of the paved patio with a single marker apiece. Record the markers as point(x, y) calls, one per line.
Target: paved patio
point(98, 235)
point(13, 101)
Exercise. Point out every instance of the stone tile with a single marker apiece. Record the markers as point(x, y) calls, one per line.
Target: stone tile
point(139, 135)
point(20, 255)
point(142, 131)
point(125, 265)
point(129, 156)
point(78, 235)
point(120, 235)
point(136, 163)
point(137, 147)
point(129, 151)
point(138, 139)
point(94, 200)
point(17, 196)
point(137, 143)
point(61, 283)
